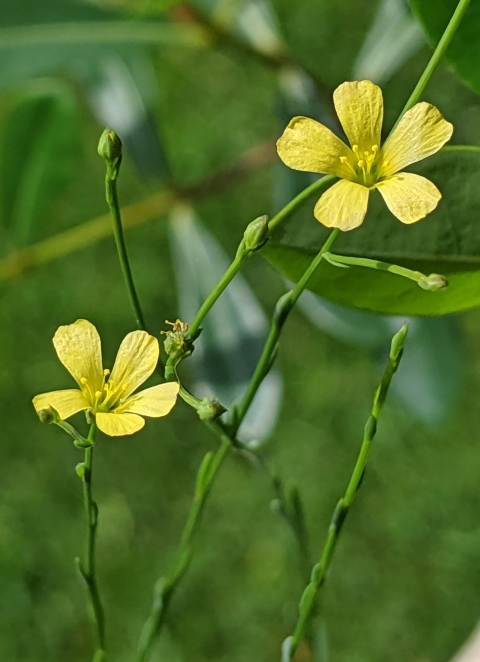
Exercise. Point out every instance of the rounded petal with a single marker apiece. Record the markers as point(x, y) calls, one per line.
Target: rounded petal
point(421, 132)
point(119, 425)
point(135, 362)
point(359, 107)
point(409, 197)
point(308, 145)
point(66, 403)
point(155, 401)
point(79, 349)
point(343, 206)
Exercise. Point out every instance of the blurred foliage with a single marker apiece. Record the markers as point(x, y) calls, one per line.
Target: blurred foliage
point(408, 559)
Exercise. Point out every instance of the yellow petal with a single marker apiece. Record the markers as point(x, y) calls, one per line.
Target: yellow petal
point(359, 107)
point(409, 197)
point(78, 348)
point(119, 425)
point(421, 132)
point(155, 401)
point(135, 362)
point(66, 403)
point(343, 206)
point(308, 145)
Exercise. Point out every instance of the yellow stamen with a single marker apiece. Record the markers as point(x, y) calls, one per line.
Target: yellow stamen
point(355, 148)
point(343, 159)
point(374, 149)
point(361, 164)
point(83, 380)
point(98, 394)
point(106, 372)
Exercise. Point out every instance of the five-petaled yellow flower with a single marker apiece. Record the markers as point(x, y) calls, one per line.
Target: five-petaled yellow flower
point(366, 166)
point(110, 397)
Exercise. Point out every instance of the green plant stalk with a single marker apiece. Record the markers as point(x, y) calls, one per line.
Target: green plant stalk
point(282, 310)
point(437, 55)
point(432, 282)
point(88, 567)
point(165, 587)
point(319, 571)
point(242, 254)
point(112, 201)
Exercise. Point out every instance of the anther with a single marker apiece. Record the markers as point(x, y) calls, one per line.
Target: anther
point(98, 394)
point(374, 148)
point(124, 387)
point(106, 372)
point(355, 148)
point(361, 164)
point(83, 380)
point(343, 159)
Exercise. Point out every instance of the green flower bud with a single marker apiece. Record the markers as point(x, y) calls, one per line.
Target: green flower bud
point(433, 283)
point(110, 149)
point(48, 415)
point(256, 234)
point(210, 409)
point(110, 146)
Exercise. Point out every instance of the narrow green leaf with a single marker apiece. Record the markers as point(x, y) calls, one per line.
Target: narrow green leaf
point(39, 148)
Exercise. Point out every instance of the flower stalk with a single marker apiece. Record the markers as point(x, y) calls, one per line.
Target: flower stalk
point(319, 571)
point(166, 586)
point(88, 566)
point(110, 149)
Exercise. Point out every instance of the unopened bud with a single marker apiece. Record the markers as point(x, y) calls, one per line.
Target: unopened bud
point(48, 415)
point(256, 234)
point(110, 149)
point(433, 283)
point(210, 409)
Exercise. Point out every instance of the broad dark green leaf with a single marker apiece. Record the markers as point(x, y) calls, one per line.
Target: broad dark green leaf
point(39, 148)
point(463, 52)
point(446, 242)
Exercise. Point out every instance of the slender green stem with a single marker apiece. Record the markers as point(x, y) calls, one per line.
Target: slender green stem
point(243, 254)
point(319, 571)
point(112, 200)
point(88, 567)
point(238, 262)
point(282, 310)
point(437, 55)
point(166, 586)
point(433, 282)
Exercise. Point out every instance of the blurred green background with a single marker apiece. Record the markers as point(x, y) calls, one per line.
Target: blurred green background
point(190, 93)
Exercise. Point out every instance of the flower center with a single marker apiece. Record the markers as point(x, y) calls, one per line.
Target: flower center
point(108, 397)
point(364, 165)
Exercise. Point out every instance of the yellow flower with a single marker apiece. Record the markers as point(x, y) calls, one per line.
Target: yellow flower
point(366, 166)
point(110, 397)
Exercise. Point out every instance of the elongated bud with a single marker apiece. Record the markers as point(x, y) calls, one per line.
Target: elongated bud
point(433, 283)
point(256, 234)
point(398, 341)
point(110, 149)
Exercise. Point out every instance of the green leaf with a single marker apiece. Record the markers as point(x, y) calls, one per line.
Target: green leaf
point(39, 148)
point(463, 52)
point(446, 242)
